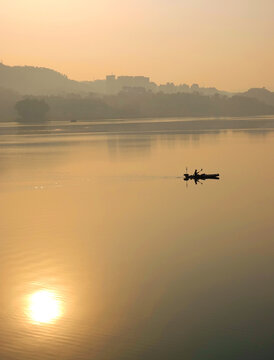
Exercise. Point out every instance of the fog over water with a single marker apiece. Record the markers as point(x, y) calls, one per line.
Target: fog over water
point(106, 253)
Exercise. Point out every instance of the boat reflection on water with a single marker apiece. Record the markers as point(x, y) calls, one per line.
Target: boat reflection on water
point(197, 177)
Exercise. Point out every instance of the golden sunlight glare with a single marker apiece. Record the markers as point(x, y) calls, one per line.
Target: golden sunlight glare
point(44, 306)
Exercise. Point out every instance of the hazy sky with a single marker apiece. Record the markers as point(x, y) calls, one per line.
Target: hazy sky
point(224, 43)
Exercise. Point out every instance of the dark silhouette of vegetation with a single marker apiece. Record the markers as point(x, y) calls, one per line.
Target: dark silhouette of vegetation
point(8, 99)
point(148, 104)
point(32, 109)
point(138, 105)
point(261, 94)
point(72, 100)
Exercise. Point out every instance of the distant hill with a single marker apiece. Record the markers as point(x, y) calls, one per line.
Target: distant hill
point(119, 97)
point(261, 94)
point(29, 80)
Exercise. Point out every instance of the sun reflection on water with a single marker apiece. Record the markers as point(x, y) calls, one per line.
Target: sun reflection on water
point(44, 307)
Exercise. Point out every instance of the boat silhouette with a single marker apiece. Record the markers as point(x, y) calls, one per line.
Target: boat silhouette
point(196, 176)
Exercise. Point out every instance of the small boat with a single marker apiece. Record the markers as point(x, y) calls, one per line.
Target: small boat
point(200, 176)
point(197, 176)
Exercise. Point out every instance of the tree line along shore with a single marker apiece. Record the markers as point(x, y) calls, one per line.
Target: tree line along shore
point(73, 107)
point(30, 94)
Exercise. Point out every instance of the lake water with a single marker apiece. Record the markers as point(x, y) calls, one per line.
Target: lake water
point(106, 253)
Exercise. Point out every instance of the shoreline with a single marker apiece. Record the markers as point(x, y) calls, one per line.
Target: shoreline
point(134, 126)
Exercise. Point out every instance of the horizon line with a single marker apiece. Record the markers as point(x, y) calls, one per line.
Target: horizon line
point(158, 84)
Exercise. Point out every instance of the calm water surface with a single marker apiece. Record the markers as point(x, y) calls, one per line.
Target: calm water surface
point(106, 254)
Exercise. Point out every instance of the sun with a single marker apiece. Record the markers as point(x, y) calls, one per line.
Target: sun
point(44, 307)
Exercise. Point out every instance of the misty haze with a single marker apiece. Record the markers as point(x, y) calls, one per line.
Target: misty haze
point(136, 180)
